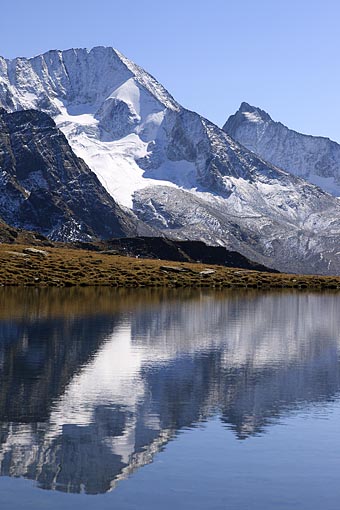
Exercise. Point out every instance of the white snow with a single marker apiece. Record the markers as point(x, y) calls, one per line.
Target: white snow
point(129, 92)
point(252, 116)
point(114, 162)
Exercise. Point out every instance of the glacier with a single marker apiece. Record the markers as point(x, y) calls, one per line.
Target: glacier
point(176, 170)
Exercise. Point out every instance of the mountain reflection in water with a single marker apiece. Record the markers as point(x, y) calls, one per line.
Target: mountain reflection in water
point(94, 382)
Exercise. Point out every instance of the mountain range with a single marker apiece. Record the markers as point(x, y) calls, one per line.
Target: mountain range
point(157, 166)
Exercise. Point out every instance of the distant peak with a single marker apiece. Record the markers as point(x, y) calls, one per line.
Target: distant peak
point(254, 113)
point(246, 113)
point(246, 107)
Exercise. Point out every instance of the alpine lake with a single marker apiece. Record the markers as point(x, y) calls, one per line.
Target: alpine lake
point(169, 399)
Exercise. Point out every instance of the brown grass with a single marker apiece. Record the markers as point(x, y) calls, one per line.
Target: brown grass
point(65, 267)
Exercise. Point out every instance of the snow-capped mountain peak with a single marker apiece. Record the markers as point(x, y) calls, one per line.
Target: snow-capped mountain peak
point(97, 97)
point(78, 76)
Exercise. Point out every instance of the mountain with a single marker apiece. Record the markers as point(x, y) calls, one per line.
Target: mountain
point(174, 169)
point(313, 158)
point(47, 188)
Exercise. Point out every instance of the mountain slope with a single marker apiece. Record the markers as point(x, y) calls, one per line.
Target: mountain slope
point(314, 158)
point(11, 235)
point(46, 188)
point(176, 170)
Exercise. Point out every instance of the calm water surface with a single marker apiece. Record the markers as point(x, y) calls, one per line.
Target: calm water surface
point(158, 400)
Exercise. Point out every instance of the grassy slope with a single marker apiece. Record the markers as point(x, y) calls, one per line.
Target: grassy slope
point(68, 267)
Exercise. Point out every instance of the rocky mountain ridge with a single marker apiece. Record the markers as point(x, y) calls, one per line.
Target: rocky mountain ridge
point(181, 251)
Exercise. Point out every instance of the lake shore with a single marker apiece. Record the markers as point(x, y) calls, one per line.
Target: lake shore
point(64, 267)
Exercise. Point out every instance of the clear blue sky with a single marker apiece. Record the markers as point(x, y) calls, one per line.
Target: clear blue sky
point(281, 55)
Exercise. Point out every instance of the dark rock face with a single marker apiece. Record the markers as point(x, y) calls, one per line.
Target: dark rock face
point(182, 251)
point(47, 188)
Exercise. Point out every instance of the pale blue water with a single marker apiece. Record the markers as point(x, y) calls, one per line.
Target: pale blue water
point(146, 400)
